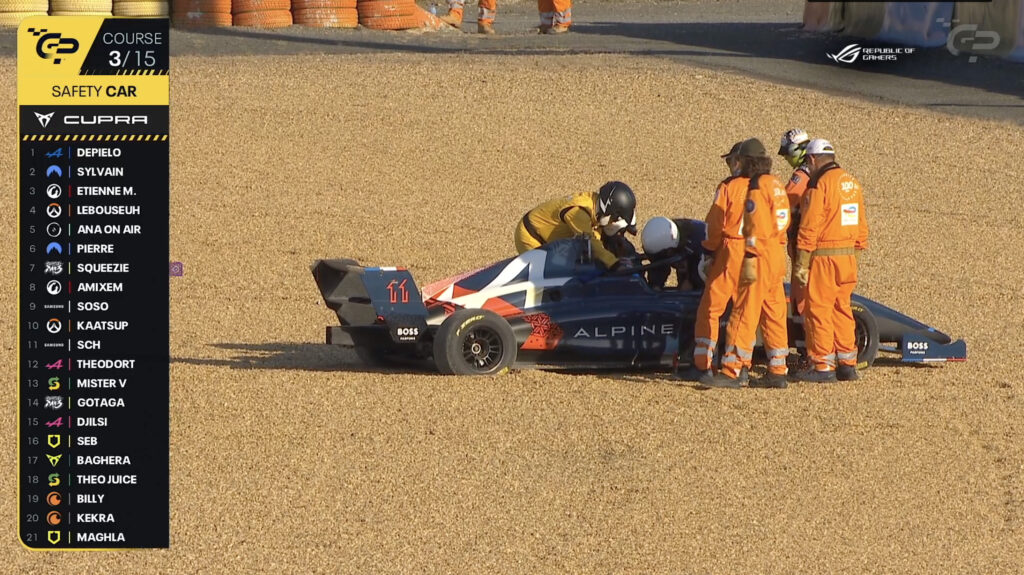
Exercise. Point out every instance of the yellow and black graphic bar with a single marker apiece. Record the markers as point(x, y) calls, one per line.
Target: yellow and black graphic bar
point(93, 293)
point(94, 138)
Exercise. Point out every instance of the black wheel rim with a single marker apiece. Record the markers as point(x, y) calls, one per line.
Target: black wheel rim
point(861, 334)
point(482, 349)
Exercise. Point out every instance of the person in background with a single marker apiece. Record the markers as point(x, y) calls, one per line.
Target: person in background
point(555, 16)
point(793, 148)
point(833, 231)
point(487, 10)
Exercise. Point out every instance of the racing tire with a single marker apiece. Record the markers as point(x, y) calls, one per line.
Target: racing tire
point(474, 342)
point(866, 335)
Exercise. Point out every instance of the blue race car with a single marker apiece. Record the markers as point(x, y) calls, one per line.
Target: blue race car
point(557, 307)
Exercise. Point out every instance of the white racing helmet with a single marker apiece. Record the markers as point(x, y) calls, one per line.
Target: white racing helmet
point(659, 234)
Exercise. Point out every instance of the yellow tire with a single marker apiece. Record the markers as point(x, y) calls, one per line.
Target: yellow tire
point(15, 18)
point(142, 9)
point(80, 14)
point(24, 6)
point(80, 6)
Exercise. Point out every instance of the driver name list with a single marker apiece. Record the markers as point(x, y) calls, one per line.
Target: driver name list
point(93, 212)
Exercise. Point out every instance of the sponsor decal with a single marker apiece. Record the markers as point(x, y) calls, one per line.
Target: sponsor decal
point(545, 335)
point(475, 318)
point(782, 218)
point(602, 332)
point(850, 213)
point(44, 120)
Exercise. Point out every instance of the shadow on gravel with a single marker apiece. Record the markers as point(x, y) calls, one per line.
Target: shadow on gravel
point(786, 41)
point(292, 356)
point(895, 362)
point(300, 42)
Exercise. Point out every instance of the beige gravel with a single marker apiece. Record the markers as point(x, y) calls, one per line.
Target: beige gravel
point(289, 457)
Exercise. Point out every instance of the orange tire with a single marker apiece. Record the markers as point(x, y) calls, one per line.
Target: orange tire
point(326, 18)
point(242, 6)
point(201, 20)
point(265, 19)
point(431, 21)
point(211, 6)
point(385, 8)
point(393, 22)
point(318, 4)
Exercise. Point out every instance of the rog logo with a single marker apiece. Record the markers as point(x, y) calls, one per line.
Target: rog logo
point(847, 55)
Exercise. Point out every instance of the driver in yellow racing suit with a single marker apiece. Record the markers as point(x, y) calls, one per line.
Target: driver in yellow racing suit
point(605, 213)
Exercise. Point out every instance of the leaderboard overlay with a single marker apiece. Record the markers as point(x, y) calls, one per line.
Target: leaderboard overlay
point(93, 209)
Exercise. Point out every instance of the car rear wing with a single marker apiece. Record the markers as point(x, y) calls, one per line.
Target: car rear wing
point(916, 342)
point(380, 296)
point(915, 348)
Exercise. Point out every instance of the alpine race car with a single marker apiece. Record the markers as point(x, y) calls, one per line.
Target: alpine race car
point(557, 307)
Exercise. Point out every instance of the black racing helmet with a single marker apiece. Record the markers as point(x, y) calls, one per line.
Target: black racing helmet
point(616, 208)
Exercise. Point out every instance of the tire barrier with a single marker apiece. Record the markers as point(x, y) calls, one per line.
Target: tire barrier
point(12, 12)
point(325, 13)
point(200, 13)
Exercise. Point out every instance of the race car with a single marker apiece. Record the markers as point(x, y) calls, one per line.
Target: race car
point(556, 307)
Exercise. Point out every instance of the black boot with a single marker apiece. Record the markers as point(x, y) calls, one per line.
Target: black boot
point(770, 381)
point(847, 373)
point(693, 374)
point(724, 381)
point(815, 376)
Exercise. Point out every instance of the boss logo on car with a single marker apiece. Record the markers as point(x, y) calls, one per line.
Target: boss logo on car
point(917, 345)
point(407, 331)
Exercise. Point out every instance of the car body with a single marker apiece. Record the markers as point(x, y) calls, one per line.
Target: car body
point(557, 307)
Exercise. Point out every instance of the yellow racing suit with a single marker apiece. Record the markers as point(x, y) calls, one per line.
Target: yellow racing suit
point(562, 218)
